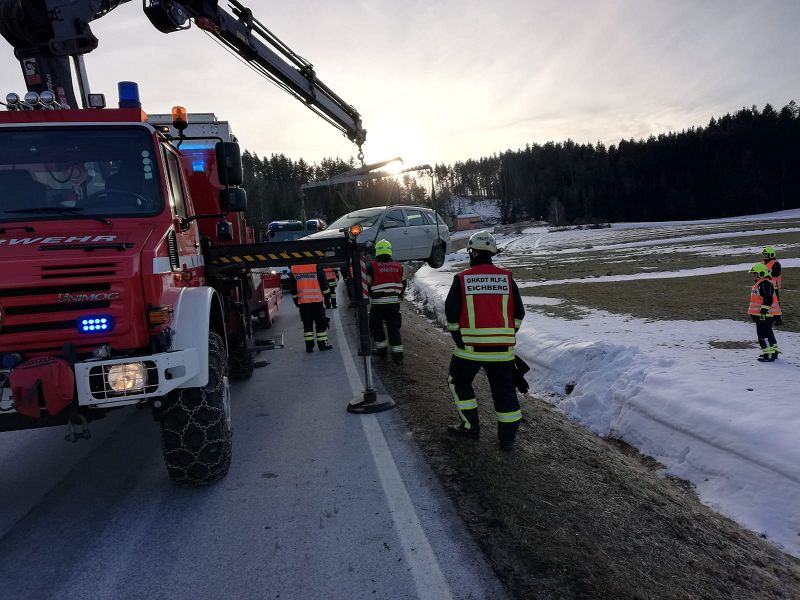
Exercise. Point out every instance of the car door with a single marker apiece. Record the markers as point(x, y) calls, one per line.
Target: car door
point(394, 230)
point(420, 234)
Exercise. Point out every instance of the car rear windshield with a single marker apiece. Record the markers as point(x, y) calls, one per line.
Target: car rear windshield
point(48, 173)
point(365, 218)
point(285, 235)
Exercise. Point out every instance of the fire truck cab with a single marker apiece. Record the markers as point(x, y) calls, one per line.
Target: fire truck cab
point(103, 223)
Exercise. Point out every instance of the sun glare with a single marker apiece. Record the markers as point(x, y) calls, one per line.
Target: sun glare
point(394, 167)
point(397, 139)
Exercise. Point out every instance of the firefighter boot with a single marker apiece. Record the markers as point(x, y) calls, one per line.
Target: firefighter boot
point(309, 346)
point(380, 351)
point(325, 346)
point(469, 427)
point(333, 302)
point(766, 355)
point(461, 430)
point(506, 432)
point(397, 357)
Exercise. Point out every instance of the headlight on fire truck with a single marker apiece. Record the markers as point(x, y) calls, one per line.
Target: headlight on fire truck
point(107, 382)
point(127, 377)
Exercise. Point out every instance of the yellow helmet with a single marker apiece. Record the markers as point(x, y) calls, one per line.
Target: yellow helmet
point(383, 247)
point(760, 270)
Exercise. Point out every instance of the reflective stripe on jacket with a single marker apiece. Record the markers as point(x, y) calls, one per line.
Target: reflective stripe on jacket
point(386, 284)
point(757, 300)
point(776, 281)
point(487, 313)
point(308, 289)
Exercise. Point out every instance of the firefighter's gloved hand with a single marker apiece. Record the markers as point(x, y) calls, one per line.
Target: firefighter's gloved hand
point(457, 339)
point(520, 368)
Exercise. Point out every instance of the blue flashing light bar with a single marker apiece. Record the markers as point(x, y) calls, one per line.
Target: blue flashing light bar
point(129, 94)
point(197, 146)
point(95, 324)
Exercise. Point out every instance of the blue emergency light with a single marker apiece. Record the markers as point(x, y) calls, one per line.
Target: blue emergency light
point(95, 324)
point(129, 94)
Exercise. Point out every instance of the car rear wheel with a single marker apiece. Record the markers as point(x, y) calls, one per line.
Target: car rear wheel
point(437, 256)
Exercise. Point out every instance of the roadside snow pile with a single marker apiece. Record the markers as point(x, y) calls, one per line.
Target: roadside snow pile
point(711, 414)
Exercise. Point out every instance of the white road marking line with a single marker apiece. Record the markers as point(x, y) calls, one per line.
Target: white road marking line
point(425, 570)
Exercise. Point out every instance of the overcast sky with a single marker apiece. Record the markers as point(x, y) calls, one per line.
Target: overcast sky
point(439, 81)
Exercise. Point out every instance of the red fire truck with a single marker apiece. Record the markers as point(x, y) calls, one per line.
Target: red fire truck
point(128, 266)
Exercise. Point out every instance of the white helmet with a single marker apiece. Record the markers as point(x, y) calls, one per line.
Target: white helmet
point(482, 240)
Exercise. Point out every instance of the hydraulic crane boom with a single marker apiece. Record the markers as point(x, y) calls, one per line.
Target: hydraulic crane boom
point(45, 34)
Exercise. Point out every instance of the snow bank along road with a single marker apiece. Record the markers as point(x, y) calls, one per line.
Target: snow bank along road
point(703, 411)
point(319, 503)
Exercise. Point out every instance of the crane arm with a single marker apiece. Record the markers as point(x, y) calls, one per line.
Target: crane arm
point(248, 38)
point(46, 33)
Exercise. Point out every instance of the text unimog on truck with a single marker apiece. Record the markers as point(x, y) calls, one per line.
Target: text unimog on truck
point(111, 223)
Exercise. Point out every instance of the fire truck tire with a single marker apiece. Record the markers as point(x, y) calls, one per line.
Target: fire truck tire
point(241, 363)
point(437, 256)
point(196, 425)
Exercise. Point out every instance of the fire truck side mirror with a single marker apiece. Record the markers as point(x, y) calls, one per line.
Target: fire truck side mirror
point(229, 163)
point(232, 200)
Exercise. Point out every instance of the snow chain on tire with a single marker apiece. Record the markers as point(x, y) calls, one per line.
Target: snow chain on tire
point(195, 425)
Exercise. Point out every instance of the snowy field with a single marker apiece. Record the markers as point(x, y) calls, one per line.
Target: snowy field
point(688, 393)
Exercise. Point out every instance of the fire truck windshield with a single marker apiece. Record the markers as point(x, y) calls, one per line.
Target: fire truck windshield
point(72, 172)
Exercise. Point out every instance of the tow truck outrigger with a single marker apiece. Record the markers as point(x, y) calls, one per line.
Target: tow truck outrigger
point(124, 282)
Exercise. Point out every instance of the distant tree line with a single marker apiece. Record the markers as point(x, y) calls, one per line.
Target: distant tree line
point(748, 162)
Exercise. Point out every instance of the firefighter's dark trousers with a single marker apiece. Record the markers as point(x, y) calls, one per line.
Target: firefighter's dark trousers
point(766, 338)
point(504, 393)
point(332, 288)
point(390, 315)
point(313, 314)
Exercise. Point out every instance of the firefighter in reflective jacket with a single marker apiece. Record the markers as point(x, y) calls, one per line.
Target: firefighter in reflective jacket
point(310, 293)
point(774, 268)
point(763, 308)
point(775, 276)
point(386, 283)
point(484, 311)
point(333, 277)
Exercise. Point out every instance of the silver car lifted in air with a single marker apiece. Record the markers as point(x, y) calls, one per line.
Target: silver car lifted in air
point(416, 233)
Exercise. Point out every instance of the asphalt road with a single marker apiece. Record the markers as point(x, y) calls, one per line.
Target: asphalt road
point(319, 503)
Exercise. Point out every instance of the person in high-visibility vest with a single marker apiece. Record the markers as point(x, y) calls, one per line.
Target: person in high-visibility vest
point(310, 293)
point(386, 283)
point(775, 274)
point(763, 308)
point(484, 311)
point(332, 275)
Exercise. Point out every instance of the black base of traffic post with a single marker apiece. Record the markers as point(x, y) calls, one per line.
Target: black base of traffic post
point(370, 402)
